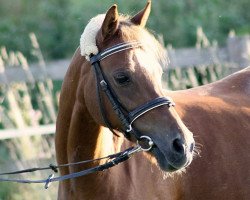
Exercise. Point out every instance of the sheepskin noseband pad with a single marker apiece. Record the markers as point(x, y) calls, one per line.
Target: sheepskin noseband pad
point(88, 38)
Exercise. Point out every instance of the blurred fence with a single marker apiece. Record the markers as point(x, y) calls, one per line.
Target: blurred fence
point(188, 67)
point(27, 115)
point(235, 55)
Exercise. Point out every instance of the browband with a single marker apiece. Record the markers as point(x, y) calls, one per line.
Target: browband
point(114, 49)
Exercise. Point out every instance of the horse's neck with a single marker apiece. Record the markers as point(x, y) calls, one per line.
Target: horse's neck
point(222, 96)
point(83, 136)
point(66, 107)
point(78, 136)
point(87, 139)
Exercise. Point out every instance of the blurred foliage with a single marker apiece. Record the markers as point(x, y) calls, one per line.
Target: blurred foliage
point(58, 24)
point(24, 104)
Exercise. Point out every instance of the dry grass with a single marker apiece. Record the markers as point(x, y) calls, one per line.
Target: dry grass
point(193, 76)
point(22, 105)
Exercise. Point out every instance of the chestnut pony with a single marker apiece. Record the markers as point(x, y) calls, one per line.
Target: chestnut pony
point(218, 114)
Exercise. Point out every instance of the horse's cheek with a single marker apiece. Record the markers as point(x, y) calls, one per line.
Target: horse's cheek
point(91, 103)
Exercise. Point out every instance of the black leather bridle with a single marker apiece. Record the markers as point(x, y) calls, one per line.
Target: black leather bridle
point(126, 120)
point(130, 116)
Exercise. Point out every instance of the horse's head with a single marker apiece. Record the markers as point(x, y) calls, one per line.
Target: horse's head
point(134, 76)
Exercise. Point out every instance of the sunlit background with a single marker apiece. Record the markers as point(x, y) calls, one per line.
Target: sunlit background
point(45, 33)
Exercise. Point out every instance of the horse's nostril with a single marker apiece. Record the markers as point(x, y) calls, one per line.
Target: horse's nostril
point(178, 146)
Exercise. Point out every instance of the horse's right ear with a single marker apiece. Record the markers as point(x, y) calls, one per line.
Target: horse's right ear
point(141, 18)
point(110, 23)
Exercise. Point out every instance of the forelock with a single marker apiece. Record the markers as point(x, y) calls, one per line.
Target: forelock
point(128, 31)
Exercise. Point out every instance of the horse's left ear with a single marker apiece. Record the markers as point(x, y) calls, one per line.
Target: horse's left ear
point(141, 18)
point(110, 23)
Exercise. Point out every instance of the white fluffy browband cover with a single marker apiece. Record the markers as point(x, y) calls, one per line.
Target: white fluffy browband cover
point(88, 37)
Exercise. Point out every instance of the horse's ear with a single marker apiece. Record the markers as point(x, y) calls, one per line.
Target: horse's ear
point(142, 17)
point(110, 23)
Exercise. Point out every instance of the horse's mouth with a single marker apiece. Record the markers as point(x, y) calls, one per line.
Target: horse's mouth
point(163, 161)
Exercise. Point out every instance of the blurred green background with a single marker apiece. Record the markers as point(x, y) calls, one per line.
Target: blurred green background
point(58, 24)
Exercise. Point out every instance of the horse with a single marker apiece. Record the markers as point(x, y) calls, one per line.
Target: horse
point(117, 52)
point(219, 115)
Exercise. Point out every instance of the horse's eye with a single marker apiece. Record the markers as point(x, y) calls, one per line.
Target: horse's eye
point(122, 79)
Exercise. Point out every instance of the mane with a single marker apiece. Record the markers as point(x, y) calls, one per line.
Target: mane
point(128, 32)
point(131, 32)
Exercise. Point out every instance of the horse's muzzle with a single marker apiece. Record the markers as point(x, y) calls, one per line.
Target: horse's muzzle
point(174, 156)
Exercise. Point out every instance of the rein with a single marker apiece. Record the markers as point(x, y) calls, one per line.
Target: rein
point(115, 159)
point(144, 143)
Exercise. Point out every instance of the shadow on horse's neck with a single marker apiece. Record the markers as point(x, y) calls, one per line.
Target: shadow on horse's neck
point(86, 138)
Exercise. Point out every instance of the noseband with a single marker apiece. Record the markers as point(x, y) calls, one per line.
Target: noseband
point(128, 118)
